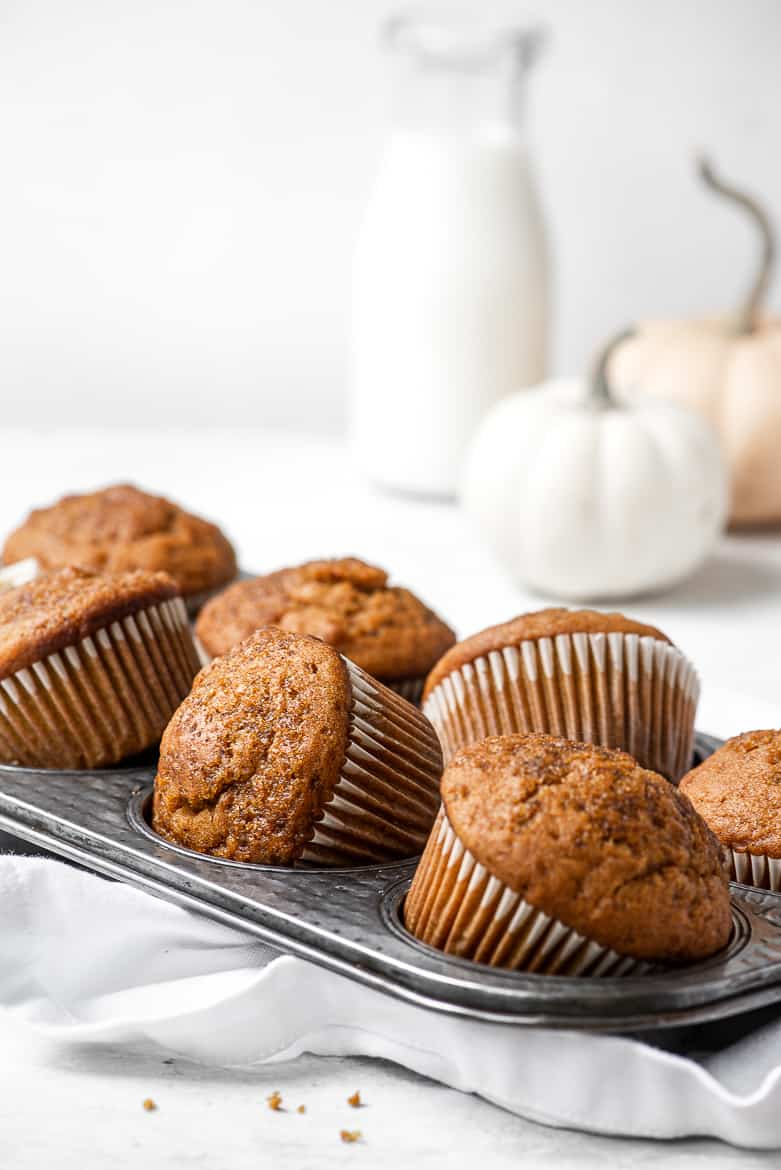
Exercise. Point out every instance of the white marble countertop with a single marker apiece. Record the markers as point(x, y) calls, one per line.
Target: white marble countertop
point(285, 499)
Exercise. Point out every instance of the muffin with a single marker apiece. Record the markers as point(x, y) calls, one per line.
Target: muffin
point(92, 666)
point(737, 791)
point(121, 528)
point(566, 858)
point(598, 677)
point(285, 752)
point(384, 629)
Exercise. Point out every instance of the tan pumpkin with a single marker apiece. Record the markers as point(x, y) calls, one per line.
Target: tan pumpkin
point(728, 369)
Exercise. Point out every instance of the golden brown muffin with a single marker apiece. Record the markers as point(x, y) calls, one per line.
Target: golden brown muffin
point(542, 623)
point(286, 751)
point(385, 629)
point(597, 677)
point(737, 791)
point(92, 666)
point(120, 528)
point(583, 835)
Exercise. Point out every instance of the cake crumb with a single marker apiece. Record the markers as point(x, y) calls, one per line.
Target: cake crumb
point(355, 1100)
point(149, 1105)
point(301, 1109)
point(275, 1101)
point(350, 1135)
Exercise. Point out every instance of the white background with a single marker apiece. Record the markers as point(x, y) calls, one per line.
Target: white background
point(181, 181)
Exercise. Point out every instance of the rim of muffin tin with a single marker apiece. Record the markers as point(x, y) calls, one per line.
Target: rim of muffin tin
point(423, 961)
point(392, 915)
point(391, 900)
point(138, 817)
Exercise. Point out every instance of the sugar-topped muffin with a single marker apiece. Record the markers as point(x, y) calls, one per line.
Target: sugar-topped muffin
point(599, 677)
point(572, 859)
point(120, 528)
point(286, 751)
point(384, 629)
point(92, 666)
point(738, 792)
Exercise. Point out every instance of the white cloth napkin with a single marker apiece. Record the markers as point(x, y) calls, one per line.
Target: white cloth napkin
point(89, 961)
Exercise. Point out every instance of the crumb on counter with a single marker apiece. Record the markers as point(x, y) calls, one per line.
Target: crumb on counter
point(355, 1100)
point(274, 1101)
point(301, 1109)
point(149, 1105)
point(350, 1135)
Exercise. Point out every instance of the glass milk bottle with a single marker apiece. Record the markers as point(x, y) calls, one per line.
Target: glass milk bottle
point(450, 280)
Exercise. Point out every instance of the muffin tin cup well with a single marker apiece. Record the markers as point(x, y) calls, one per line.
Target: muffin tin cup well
point(349, 920)
point(619, 690)
point(106, 697)
point(457, 906)
point(756, 869)
point(387, 795)
point(139, 814)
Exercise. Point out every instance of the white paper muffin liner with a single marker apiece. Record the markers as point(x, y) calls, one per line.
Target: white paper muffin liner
point(204, 657)
point(618, 690)
point(410, 689)
point(756, 869)
point(103, 698)
point(387, 796)
point(457, 906)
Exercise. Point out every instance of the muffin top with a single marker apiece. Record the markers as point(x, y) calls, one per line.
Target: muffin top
point(255, 750)
point(121, 528)
point(589, 837)
point(384, 629)
point(738, 792)
point(543, 623)
point(59, 609)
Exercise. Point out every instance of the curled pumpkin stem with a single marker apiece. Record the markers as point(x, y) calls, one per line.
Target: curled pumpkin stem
point(749, 312)
point(601, 394)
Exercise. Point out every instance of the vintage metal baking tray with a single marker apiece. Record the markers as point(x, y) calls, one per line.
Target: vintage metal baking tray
point(349, 919)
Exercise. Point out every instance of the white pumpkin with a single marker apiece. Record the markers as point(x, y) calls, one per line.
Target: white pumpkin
point(729, 370)
point(585, 499)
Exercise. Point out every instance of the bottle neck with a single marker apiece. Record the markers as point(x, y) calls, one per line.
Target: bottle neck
point(439, 99)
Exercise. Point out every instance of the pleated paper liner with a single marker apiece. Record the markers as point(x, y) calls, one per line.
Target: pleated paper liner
point(204, 657)
point(410, 689)
point(457, 906)
point(387, 796)
point(105, 697)
point(756, 869)
point(619, 690)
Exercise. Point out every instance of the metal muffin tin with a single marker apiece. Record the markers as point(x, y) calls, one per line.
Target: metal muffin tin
point(349, 920)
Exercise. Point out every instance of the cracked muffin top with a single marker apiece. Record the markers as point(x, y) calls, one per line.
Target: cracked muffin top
point(384, 629)
point(120, 528)
point(737, 791)
point(589, 837)
point(542, 623)
point(254, 752)
point(60, 609)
